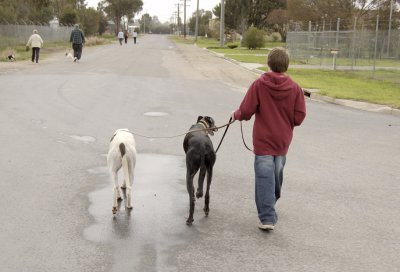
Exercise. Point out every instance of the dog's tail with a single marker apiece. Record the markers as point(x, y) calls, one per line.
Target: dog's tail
point(125, 164)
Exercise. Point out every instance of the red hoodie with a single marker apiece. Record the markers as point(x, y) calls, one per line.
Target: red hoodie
point(278, 104)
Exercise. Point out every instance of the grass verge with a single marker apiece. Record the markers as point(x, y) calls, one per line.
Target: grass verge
point(355, 85)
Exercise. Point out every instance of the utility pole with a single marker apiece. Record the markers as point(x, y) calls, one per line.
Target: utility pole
point(222, 24)
point(178, 23)
point(197, 22)
point(184, 18)
point(390, 27)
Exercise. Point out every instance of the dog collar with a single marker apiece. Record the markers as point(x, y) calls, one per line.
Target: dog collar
point(204, 125)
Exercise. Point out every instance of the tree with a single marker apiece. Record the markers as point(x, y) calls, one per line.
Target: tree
point(68, 16)
point(145, 22)
point(118, 9)
point(29, 11)
point(89, 18)
point(278, 21)
point(330, 10)
point(260, 9)
point(204, 18)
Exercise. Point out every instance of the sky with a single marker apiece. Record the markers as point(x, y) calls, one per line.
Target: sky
point(164, 9)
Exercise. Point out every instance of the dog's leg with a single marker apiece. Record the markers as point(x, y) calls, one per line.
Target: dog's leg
point(202, 175)
point(190, 189)
point(117, 195)
point(129, 187)
point(128, 177)
point(207, 196)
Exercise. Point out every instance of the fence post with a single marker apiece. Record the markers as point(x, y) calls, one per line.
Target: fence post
point(390, 27)
point(336, 43)
point(354, 44)
point(376, 45)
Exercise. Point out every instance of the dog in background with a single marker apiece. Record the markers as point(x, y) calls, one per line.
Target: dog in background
point(122, 154)
point(200, 155)
point(11, 57)
point(69, 55)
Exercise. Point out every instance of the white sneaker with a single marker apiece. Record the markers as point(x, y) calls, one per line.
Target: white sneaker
point(265, 226)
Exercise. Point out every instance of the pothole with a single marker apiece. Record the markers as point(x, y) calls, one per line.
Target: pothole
point(155, 113)
point(85, 139)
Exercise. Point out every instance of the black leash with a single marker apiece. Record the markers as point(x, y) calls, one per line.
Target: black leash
point(226, 129)
point(244, 142)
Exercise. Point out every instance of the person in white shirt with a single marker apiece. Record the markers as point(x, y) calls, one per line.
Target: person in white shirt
point(120, 37)
point(134, 35)
point(35, 42)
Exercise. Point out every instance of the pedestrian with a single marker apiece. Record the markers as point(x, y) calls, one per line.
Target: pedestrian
point(278, 105)
point(126, 36)
point(134, 35)
point(77, 39)
point(35, 42)
point(120, 37)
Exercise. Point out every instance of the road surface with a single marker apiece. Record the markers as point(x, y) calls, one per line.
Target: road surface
point(339, 209)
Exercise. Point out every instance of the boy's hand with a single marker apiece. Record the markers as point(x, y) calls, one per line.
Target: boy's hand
point(233, 115)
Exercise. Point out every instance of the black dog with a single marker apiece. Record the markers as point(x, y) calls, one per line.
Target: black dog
point(200, 154)
point(11, 57)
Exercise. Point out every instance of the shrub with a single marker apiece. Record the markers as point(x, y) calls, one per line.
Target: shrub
point(254, 38)
point(232, 45)
point(276, 37)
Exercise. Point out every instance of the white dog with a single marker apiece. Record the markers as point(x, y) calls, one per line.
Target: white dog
point(122, 153)
point(69, 55)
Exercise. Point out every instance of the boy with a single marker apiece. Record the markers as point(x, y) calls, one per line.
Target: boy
point(278, 105)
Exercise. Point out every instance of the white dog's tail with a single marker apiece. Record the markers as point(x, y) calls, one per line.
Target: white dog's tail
point(125, 164)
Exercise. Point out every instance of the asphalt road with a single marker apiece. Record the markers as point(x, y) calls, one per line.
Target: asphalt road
point(340, 205)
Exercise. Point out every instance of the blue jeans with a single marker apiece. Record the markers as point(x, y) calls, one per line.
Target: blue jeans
point(269, 176)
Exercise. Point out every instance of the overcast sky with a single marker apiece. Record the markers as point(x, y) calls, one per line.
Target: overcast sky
point(164, 8)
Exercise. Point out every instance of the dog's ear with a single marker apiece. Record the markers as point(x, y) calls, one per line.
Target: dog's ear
point(210, 121)
point(199, 118)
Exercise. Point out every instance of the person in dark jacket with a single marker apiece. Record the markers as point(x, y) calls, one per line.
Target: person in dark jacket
point(278, 105)
point(77, 39)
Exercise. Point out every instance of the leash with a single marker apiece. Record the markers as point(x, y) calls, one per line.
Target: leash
point(223, 136)
point(198, 130)
point(182, 134)
point(244, 142)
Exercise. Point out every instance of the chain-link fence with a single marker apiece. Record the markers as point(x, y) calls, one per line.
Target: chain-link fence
point(12, 35)
point(351, 48)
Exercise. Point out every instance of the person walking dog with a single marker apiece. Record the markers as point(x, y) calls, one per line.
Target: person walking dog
point(36, 42)
point(77, 39)
point(278, 105)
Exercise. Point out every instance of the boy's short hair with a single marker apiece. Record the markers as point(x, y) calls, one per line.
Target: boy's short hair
point(278, 60)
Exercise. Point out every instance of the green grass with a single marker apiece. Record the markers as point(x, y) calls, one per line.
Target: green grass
point(354, 85)
point(248, 58)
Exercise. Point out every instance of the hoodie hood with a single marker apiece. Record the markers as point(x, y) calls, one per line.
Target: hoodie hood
point(278, 85)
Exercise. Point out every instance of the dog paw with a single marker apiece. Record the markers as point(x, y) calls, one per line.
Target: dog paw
point(189, 222)
point(114, 210)
point(206, 211)
point(199, 194)
point(129, 207)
